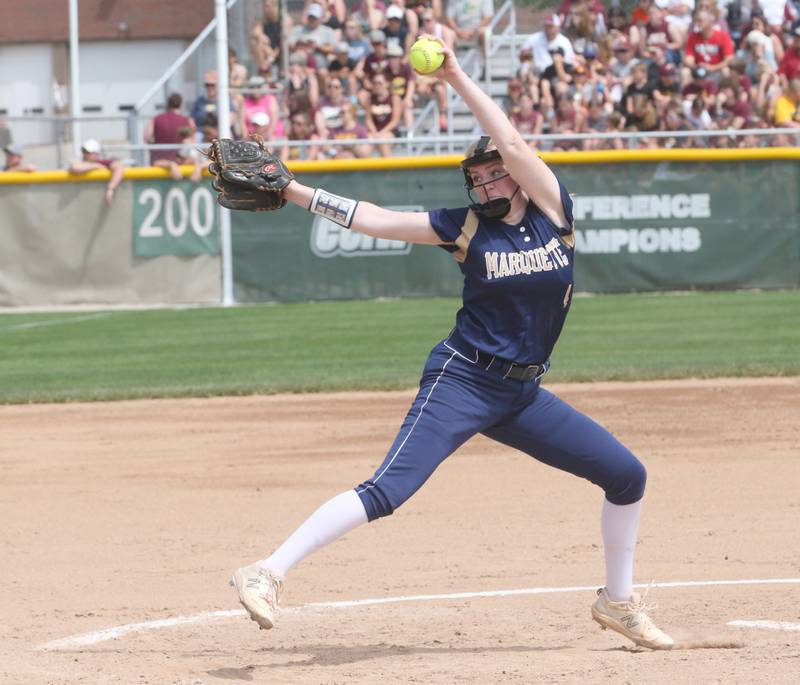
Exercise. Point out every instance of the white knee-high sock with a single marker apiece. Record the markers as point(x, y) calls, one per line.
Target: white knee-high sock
point(332, 520)
point(619, 524)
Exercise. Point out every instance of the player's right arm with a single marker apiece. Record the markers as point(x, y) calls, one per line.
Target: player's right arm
point(411, 227)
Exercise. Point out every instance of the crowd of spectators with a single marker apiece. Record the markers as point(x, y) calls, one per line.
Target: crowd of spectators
point(668, 66)
point(340, 72)
point(347, 76)
point(664, 65)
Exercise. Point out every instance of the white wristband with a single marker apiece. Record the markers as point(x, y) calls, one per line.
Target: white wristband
point(338, 209)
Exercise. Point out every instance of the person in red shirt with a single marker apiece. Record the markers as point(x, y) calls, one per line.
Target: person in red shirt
point(789, 68)
point(166, 129)
point(708, 46)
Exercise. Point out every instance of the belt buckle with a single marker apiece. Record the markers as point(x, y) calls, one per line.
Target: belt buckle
point(531, 371)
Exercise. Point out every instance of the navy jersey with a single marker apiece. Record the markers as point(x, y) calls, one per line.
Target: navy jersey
point(517, 279)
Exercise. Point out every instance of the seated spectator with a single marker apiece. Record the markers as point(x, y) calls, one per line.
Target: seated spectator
point(708, 46)
point(401, 81)
point(189, 155)
point(333, 16)
point(343, 68)
point(267, 36)
point(787, 107)
point(396, 30)
point(237, 72)
point(92, 158)
point(321, 40)
point(731, 104)
point(513, 96)
point(331, 105)
point(789, 68)
point(526, 119)
point(210, 129)
point(301, 127)
point(375, 63)
point(696, 113)
point(166, 129)
point(207, 103)
point(583, 30)
point(468, 19)
point(699, 85)
point(427, 86)
point(553, 56)
point(620, 28)
point(368, 13)
point(384, 113)
point(763, 50)
point(679, 15)
point(638, 97)
point(302, 79)
point(567, 118)
point(259, 100)
point(657, 32)
point(596, 122)
point(14, 160)
point(358, 46)
point(666, 87)
point(622, 65)
point(351, 130)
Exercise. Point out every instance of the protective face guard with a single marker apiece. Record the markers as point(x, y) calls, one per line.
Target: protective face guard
point(498, 207)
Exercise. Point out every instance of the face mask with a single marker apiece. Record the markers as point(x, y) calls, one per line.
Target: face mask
point(496, 208)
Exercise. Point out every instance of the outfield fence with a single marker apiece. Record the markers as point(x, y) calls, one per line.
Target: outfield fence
point(646, 220)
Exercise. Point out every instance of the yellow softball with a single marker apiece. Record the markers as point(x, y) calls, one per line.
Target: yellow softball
point(425, 56)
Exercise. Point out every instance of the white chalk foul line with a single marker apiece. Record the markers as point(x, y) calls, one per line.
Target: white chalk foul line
point(768, 625)
point(110, 633)
point(57, 322)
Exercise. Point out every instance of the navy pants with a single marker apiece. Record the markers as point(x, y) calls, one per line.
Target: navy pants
point(459, 397)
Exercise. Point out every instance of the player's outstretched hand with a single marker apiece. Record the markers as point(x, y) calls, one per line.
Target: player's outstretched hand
point(450, 67)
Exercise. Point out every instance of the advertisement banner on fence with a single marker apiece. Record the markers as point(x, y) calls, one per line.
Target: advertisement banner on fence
point(639, 227)
point(174, 218)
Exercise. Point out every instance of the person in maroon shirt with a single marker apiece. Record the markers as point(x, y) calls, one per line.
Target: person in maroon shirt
point(92, 158)
point(402, 81)
point(384, 113)
point(789, 68)
point(526, 119)
point(166, 129)
point(708, 46)
point(375, 63)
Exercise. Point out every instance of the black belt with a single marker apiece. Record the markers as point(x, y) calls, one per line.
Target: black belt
point(504, 368)
point(512, 370)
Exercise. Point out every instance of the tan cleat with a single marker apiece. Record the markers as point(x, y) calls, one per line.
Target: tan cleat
point(259, 592)
point(629, 619)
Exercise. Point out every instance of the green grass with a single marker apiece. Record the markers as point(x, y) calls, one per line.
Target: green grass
point(376, 345)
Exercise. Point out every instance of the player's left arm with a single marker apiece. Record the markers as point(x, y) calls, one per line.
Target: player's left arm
point(522, 162)
point(365, 217)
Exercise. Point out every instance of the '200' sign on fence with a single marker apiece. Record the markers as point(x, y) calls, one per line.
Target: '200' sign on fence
point(174, 219)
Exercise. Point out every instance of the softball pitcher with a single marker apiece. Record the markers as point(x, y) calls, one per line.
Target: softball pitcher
point(515, 246)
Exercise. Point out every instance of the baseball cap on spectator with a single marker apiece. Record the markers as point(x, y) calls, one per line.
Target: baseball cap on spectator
point(315, 10)
point(91, 146)
point(377, 36)
point(590, 51)
point(699, 72)
point(13, 150)
point(256, 82)
point(394, 12)
point(260, 118)
point(394, 50)
point(667, 69)
point(552, 20)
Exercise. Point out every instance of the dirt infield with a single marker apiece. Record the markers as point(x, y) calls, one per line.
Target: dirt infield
point(136, 512)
